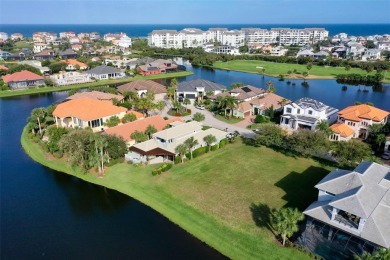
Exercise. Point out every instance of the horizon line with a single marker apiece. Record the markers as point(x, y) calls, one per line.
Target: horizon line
point(190, 23)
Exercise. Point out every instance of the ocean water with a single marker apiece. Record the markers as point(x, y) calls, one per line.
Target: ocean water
point(142, 30)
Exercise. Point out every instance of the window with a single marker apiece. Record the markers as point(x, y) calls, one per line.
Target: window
point(80, 123)
point(299, 111)
point(310, 112)
point(95, 123)
point(288, 110)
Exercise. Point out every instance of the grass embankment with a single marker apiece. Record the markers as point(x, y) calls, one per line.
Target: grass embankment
point(226, 205)
point(11, 93)
point(275, 69)
point(232, 120)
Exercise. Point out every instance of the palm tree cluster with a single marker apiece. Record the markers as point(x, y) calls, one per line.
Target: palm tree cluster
point(145, 103)
point(190, 143)
point(140, 136)
point(227, 103)
point(40, 118)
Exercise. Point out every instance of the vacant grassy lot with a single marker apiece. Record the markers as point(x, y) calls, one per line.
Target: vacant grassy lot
point(275, 69)
point(223, 198)
point(11, 93)
point(24, 44)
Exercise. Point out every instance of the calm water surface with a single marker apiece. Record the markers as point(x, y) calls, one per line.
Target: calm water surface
point(49, 214)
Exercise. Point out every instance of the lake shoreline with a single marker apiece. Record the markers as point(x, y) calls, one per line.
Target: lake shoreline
point(200, 225)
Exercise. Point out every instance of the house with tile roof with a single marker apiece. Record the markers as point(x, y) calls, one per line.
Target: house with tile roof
point(259, 106)
point(356, 202)
point(197, 89)
point(68, 54)
point(105, 72)
point(23, 79)
point(98, 95)
point(46, 54)
point(69, 78)
point(306, 113)
point(3, 67)
point(161, 147)
point(86, 112)
point(125, 130)
point(355, 120)
point(141, 87)
point(75, 64)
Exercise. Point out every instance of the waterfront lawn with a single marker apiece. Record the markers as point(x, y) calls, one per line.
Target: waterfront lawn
point(275, 69)
point(223, 197)
point(11, 93)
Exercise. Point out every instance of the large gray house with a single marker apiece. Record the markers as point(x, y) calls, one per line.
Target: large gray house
point(356, 202)
point(105, 72)
point(197, 89)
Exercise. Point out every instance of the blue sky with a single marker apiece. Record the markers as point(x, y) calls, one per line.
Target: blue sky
point(193, 11)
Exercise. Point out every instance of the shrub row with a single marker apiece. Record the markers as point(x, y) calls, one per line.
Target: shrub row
point(163, 168)
point(222, 143)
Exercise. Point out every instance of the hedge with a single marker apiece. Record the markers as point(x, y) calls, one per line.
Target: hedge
point(199, 151)
point(163, 168)
point(214, 147)
point(222, 143)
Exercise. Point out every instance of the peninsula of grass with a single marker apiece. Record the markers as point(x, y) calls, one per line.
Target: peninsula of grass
point(12, 93)
point(275, 69)
point(223, 197)
point(231, 120)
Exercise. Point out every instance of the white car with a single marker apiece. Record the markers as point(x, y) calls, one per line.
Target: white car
point(201, 107)
point(386, 156)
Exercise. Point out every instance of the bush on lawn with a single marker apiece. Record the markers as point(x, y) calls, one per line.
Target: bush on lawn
point(222, 143)
point(214, 147)
point(199, 151)
point(261, 119)
point(163, 168)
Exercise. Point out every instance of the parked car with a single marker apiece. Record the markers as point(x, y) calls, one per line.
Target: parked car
point(201, 107)
point(386, 156)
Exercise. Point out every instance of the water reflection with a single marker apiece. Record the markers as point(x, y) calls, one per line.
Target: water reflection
point(89, 199)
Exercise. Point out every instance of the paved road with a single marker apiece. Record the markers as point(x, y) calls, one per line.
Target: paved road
point(210, 120)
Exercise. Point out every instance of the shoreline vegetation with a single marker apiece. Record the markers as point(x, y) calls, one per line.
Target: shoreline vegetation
point(13, 93)
point(274, 69)
point(226, 208)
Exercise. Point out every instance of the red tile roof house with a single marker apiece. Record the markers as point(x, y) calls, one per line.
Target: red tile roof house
point(127, 129)
point(23, 79)
point(258, 106)
point(96, 95)
point(86, 112)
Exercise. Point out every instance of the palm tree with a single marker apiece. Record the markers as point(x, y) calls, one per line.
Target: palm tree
point(380, 139)
point(174, 84)
point(98, 158)
point(38, 114)
point(150, 130)
point(198, 117)
point(177, 106)
point(160, 105)
point(139, 136)
point(231, 103)
point(222, 103)
point(270, 87)
point(323, 126)
point(181, 149)
point(308, 67)
point(144, 104)
point(283, 102)
point(171, 93)
point(186, 102)
point(209, 139)
point(191, 143)
point(284, 221)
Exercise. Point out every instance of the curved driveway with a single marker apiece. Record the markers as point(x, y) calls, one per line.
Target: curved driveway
point(210, 120)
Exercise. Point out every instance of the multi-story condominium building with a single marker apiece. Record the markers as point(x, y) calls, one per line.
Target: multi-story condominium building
point(67, 34)
point(234, 38)
point(215, 34)
point(3, 36)
point(165, 39)
point(354, 122)
point(306, 113)
point(44, 37)
point(91, 36)
point(193, 37)
point(258, 35)
point(287, 36)
point(124, 42)
point(16, 36)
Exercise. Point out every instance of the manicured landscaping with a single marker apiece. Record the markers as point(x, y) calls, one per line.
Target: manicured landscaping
point(231, 120)
point(223, 204)
point(275, 69)
point(11, 93)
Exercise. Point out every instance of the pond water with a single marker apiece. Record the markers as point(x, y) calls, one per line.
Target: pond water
point(48, 214)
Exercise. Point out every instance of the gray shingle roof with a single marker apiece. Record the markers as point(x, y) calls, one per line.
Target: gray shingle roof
point(190, 86)
point(103, 69)
point(364, 192)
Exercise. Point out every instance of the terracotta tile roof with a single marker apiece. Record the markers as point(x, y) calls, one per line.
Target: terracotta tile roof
point(148, 85)
point(127, 129)
point(87, 109)
point(95, 95)
point(342, 129)
point(21, 76)
point(270, 99)
point(75, 62)
point(3, 67)
point(138, 115)
point(358, 112)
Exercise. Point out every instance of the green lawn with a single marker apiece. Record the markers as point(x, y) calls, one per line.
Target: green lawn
point(24, 44)
point(223, 198)
point(232, 120)
point(275, 69)
point(11, 93)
